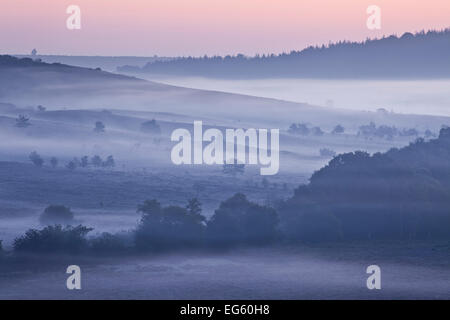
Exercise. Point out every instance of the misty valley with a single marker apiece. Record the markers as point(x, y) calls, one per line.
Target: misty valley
point(137, 183)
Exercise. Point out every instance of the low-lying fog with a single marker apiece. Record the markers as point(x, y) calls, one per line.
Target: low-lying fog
point(401, 96)
point(306, 272)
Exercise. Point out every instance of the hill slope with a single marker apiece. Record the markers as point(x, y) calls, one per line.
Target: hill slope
point(422, 55)
point(403, 193)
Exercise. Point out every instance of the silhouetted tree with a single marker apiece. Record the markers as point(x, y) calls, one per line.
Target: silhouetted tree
point(238, 220)
point(165, 228)
point(71, 165)
point(96, 161)
point(36, 159)
point(84, 162)
point(99, 127)
point(300, 129)
point(22, 121)
point(194, 208)
point(41, 108)
point(338, 129)
point(53, 162)
point(109, 162)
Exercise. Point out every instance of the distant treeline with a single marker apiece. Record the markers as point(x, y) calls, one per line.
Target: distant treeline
point(420, 55)
point(403, 194)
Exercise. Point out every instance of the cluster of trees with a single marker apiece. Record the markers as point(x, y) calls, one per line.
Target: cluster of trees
point(95, 161)
point(150, 126)
point(304, 130)
point(371, 58)
point(83, 162)
point(388, 132)
point(237, 221)
point(401, 194)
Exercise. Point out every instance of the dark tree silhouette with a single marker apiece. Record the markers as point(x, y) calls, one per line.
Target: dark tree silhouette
point(36, 159)
point(238, 220)
point(99, 127)
point(71, 165)
point(166, 228)
point(96, 161)
point(53, 239)
point(109, 162)
point(338, 129)
point(53, 162)
point(22, 121)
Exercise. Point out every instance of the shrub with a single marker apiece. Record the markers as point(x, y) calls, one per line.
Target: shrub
point(53, 239)
point(36, 159)
point(22, 121)
point(56, 214)
point(338, 129)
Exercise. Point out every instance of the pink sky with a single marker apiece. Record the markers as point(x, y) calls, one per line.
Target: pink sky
point(198, 27)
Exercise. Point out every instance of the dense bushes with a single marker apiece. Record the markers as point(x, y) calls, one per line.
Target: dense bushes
point(55, 239)
point(237, 221)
